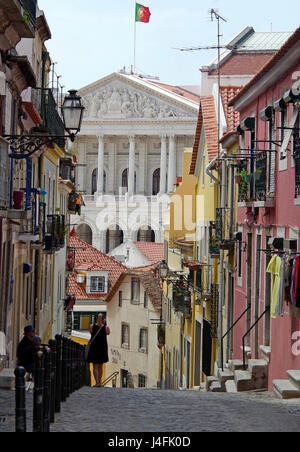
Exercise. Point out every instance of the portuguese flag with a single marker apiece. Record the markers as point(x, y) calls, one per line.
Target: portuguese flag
point(142, 13)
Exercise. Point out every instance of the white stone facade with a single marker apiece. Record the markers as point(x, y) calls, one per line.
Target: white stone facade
point(129, 156)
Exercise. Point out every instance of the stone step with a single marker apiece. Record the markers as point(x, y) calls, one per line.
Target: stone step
point(266, 352)
point(243, 380)
point(210, 381)
point(7, 379)
point(235, 364)
point(216, 387)
point(258, 368)
point(223, 376)
point(294, 377)
point(284, 389)
point(230, 386)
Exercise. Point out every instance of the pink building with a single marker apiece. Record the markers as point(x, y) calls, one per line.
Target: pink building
point(269, 209)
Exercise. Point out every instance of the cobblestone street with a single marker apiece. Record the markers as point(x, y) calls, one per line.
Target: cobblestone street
point(128, 410)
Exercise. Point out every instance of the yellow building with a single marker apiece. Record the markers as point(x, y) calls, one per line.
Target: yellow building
point(179, 296)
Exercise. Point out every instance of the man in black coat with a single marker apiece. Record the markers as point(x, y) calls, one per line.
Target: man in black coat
point(25, 350)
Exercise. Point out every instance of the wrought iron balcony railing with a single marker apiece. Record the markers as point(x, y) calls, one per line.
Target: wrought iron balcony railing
point(44, 102)
point(29, 7)
point(54, 238)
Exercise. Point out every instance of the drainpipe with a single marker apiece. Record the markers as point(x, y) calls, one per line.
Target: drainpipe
point(221, 274)
point(209, 172)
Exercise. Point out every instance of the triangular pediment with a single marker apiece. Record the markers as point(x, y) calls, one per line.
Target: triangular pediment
point(120, 96)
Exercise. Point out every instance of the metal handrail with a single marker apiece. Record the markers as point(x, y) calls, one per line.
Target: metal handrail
point(108, 379)
point(250, 329)
point(231, 328)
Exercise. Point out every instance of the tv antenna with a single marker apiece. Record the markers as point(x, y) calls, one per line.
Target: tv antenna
point(214, 15)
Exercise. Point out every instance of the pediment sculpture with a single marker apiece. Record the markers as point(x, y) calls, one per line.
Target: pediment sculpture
point(113, 102)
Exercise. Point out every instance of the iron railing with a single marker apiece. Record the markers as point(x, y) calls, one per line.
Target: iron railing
point(249, 331)
point(229, 330)
point(44, 102)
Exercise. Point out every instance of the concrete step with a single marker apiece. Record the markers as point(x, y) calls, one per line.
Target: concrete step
point(258, 368)
point(266, 352)
point(216, 387)
point(210, 381)
point(294, 377)
point(235, 364)
point(223, 376)
point(7, 379)
point(284, 389)
point(230, 386)
point(243, 380)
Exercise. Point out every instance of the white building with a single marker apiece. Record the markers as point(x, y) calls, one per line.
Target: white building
point(129, 156)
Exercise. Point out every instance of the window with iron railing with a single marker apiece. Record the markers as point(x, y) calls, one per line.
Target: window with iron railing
point(45, 103)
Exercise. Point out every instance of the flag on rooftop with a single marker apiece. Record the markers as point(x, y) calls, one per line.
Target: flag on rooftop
point(142, 13)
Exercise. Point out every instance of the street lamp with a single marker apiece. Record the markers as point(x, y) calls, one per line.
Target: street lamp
point(72, 113)
point(23, 146)
point(163, 269)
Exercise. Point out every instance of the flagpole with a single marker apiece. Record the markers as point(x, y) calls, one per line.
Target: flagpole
point(134, 48)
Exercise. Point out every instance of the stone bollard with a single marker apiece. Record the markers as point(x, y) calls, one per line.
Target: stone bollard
point(52, 345)
point(38, 393)
point(20, 400)
point(58, 388)
point(47, 390)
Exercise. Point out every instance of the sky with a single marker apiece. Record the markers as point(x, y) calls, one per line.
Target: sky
point(94, 38)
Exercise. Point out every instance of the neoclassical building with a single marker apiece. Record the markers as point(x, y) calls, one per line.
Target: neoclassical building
point(129, 155)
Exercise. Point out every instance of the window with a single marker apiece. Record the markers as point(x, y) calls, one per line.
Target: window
point(135, 291)
point(143, 340)
point(142, 381)
point(120, 298)
point(125, 336)
point(97, 284)
point(156, 182)
point(145, 300)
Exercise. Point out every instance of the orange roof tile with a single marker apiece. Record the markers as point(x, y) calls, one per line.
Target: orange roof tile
point(232, 117)
point(89, 258)
point(154, 252)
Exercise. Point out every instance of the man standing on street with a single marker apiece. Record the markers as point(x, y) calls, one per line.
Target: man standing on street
point(25, 349)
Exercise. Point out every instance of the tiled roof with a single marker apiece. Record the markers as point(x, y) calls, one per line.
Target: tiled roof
point(150, 282)
point(179, 90)
point(154, 252)
point(294, 39)
point(232, 116)
point(210, 124)
point(89, 258)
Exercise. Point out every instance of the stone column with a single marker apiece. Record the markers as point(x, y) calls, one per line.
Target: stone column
point(100, 183)
point(172, 165)
point(163, 165)
point(131, 167)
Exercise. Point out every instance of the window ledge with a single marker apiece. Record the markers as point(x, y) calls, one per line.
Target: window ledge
point(297, 201)
point(266, 203)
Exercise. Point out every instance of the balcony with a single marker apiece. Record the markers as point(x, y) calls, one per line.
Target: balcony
point(30, 215)
point(54, 237)
point(17, 21)
point(44, 102)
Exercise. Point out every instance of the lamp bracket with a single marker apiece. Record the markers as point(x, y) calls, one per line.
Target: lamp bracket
point(24, 146)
